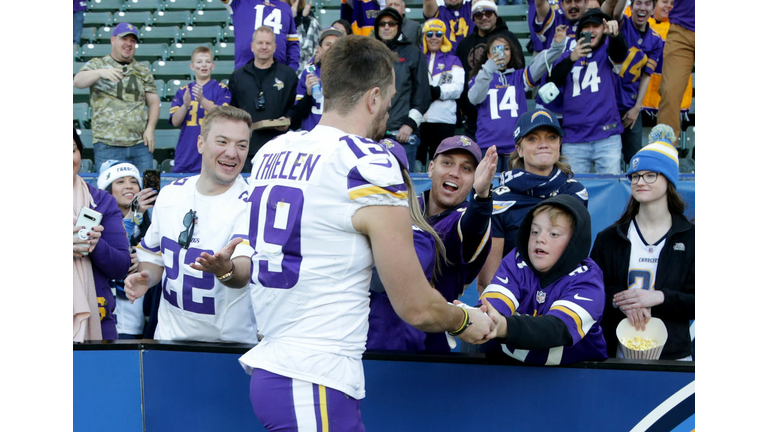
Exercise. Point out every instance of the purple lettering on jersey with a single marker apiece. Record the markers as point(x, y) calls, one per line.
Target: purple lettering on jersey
point(172, 272)
point(273, 171)
point(263, 159)
point(309, 167)
point(281, 175)
point(296, 163)
point(206, 282)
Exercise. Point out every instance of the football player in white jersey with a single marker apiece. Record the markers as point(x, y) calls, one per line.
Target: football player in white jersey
point(324, 205)
point(194, 217)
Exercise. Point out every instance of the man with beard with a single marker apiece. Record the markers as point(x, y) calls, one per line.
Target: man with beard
point(413, 96)
point(324, 205)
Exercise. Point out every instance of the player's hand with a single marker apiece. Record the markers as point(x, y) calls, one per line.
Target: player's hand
point(112, 74)
point(146, 197)
point(611, 27)
point(580, 50)
point(186, 98)
point(136, 285)
point(219, 263)
point(638, 317)
point(482, 328)
point(404, 133)
point(485, 171)
point(560, 33)
point(638, 298)
point(630, 117)
point(149, 139)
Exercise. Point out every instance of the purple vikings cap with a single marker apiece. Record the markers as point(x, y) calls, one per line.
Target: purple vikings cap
point(397, 150)
point(123, 29)
point(535, 119)
point(460, 142)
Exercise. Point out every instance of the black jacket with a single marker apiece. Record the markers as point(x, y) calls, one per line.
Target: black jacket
point(279, 87)
point(675, 277)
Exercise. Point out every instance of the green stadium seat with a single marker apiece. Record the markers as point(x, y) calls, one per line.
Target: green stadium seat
point(228, 32)
point(149, 34)
point(161, 88)
point(87, 35)
point(171, 18)
point(224, 51)
point(139, 19)
point(166, 138)
point(81, 95)
point(218, 17)
point(81, 115)
point(189, 5)
point(144, 5)
point(76, 67)
point(86, 136)
point(90, 51)
point(76, 52)
point(224, 69)
point(106, 5)
point(201, 34)
point(212, 4)
point(162, 121)
point(326, 17)
point(183, 51)
point(512, 12)
point(172, 86)
point(519, 28)
point(413, 14)
point(97, 19)
point(151, 51)
point(166, 70)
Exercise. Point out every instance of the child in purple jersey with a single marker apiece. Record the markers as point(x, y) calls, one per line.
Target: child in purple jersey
point(190, 105)
point(497, 87)
point(590, 115)
point(248, 15)
point(386, 330)
point(547, 296)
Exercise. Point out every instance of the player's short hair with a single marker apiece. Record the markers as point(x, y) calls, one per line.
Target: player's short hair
point(352, 66)
point(226, 112)
point(263, 29)
point(554, 212)
point(201, 50)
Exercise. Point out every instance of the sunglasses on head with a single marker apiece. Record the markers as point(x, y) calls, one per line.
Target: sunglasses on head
point(185, 238)
point(483, 14)
point(387, 24)
point(431, 34)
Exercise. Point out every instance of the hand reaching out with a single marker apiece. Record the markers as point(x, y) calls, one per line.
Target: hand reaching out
point(219, 263)
point(485, 171)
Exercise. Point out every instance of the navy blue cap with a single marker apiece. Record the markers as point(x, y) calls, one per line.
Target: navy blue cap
point(535, 119)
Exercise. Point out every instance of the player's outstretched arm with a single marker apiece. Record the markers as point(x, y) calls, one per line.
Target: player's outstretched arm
point(414, 300)
point(221, 264)
point(137, 284)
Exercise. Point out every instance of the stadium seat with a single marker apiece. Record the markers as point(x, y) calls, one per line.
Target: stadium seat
point(224, 69)
point(413, 14)
point(166, 138)
point(166, 70)
point(90, 51)
point(76, 67)
point(212, 4)
point(200, 34)
point(519, 28)
point(151, 51)
point(326, 17)
point(183, 51)
point(139, 19)
point(189, 5)
point(143, 5)
point(106, 5)
point(161, 88)
point(171, 18)
point(81, 115)
point(86, 136)
point(103, 35)
point(513, 12)
point(149, 34)
point(162, 121)
point(224, 51)
point(172, 86)
point(97, 19)
point(81, 95)
point(87, 35)
point(228, 32)
point(218, 17)
point(86, 166)
point(76, 52)
point(166, 166)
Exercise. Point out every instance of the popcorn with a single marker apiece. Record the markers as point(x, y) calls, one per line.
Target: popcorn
point(638, 343)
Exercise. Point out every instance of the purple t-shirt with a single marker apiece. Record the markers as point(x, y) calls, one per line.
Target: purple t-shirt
point(590, 111)
point(186, 158)
point(645, 50)
point(79, 5)
point(248, 15)
point(497, 115)
point(316, 112)
point(577, 299)
point(458, 23)
point(684, 14)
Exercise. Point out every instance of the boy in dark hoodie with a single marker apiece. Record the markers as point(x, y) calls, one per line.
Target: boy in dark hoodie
point(547, 296)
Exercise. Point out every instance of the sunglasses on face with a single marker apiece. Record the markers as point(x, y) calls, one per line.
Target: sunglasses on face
point(261, 102)
point(383, 24)
point(483, 14)
point(185, 238)
point(431, 34)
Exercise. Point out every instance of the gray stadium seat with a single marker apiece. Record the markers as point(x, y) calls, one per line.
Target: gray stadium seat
point(183, 51)
point(171, 18)
point(144, 5)
point(86, 136)
point(224, 51)
point(201, 34)
point(218, 17)
point(166, 138)
point(139, 19)
point(151, 51)
point(90, 51)
point(97, 19)
point(149, 34)
point(106, 5)
point(166, 70)
point(167, 166)
point(189, 5)
point(81, 115)
point(172, 86)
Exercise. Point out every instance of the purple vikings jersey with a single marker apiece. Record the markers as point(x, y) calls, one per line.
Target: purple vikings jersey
point(497, 115)
point(361, 15)
point(386, 330)
point(457, 22)
point(645, 50)
point(576, 298)
point(248, 15)
point(589, 105)
point(186, 158)
point(316, 112)
point(541, 36)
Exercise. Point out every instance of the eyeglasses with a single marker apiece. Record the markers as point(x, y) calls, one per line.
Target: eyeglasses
point(185, 238)
point(431, 34)
point(648, 178)
point(261, 102)
point(483, 14)
point(387, 24)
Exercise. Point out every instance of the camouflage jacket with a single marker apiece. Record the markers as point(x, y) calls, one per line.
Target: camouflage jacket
point(119, 114)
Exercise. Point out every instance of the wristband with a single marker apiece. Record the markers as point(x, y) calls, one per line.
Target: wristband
point(466, 323)
point(229, 275)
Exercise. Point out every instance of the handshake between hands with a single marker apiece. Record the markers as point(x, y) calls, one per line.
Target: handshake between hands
point(486, 323)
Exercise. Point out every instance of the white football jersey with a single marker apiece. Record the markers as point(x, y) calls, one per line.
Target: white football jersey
point(643, 260)
point(195, 305)
point(311, 268)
